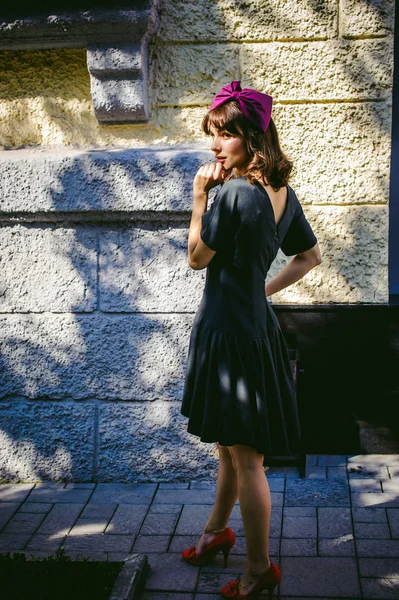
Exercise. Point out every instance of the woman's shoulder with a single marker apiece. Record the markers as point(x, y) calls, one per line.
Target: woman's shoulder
point(237, 187)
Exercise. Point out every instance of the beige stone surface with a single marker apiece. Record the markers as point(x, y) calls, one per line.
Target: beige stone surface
point(354, 247)
point(374, 17)
point(328, 70)
point(146, 270)
point(191, 74)
point(341, 152)
point(249, 20)
point(47, 269)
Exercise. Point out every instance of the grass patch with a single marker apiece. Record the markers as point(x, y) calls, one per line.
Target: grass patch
point(56, 576)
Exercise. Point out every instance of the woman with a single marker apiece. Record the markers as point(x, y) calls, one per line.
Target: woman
point(239, 390)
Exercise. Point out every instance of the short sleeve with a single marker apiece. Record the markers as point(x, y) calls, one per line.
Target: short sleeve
point(300, 236)
point(218, 222)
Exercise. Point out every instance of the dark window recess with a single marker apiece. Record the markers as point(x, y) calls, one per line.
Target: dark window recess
point(11, 10)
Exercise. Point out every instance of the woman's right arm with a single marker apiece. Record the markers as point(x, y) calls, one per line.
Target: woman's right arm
point(301, 264)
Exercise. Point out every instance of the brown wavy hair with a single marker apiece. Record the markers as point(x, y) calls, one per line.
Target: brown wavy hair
point(267, 158)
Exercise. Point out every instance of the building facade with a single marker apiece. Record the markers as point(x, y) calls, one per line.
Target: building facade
point(100, 113)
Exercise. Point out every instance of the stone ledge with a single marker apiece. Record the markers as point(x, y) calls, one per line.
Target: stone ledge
point(157, 180)
point(74, 30)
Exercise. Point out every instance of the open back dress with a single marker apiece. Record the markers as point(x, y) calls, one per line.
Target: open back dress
point(239, 386)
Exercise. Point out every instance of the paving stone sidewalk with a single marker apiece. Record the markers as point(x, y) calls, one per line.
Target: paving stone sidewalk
point(334, 533)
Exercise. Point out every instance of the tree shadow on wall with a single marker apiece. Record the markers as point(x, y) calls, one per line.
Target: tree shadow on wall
point(105, 371)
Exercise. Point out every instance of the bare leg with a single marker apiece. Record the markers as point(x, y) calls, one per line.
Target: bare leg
point(226, 496)
point(255, 505)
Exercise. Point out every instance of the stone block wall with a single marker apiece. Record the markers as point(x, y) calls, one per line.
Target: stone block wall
point(96, 296)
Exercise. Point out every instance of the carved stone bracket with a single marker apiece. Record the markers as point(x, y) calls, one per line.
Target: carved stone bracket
point(117, 56)
point(118, 82)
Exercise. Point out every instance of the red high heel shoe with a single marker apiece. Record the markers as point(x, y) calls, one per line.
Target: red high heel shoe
point(224, 542)
point(267, 581)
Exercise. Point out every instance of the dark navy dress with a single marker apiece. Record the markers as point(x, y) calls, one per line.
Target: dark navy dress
point(239, 386)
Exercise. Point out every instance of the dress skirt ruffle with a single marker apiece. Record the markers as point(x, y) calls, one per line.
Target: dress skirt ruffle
point(241, 390)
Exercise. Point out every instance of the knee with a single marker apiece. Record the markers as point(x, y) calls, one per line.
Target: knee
point(246, 461)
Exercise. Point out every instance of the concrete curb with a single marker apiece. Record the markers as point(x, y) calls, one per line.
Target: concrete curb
point(130, 580)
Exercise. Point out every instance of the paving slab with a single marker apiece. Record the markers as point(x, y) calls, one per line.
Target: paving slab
point(393, 519)
point(299, 511)
point(373, 459)
point(159, 524)
point(186, 497)
point(374, 472)
point(316, 492)
point(127, 519)
point(377, 548)
point(332, 460)
point(45, 543)
point(7, 510)
point(379, 567)
point(192, 520)
point(276, 520)
point(169, 571)
point(148, 595)
point(118, 556)
point(277, 484)
point(90, 526)
point(92, 555)
point(316, 472)
point(371, 531)
point(386, 589)
point(390, 485)
point(49, 485)
point(311, 460)
point(237, 527)
point(203, 485)
point(298, 547)
point(334, 522)
point(15, 492)
point(377, 499)
point(166, 508)
point(99, 543)
point(299, 527)
point(317, 576)
point(13, 541)
point(125, 493)
point(337, 473)
point(24, 523)
point(60, 519)
point(59, 495)
point(236, 562)
point(93, 510)
point(211, 582)
point(174, 486)
point(370, 514)
point(152, 543)
point(286, 472)
point(35, 507)
point(366, 484)
point(80, 486)
point(181, 542)
point(340, 546)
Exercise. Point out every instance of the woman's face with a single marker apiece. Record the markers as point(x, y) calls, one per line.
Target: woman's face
point(229, 149)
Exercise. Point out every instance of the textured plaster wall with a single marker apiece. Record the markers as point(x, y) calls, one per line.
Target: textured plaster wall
point(96, 296)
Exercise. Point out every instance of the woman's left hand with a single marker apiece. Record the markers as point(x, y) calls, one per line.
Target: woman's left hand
point(209, 176)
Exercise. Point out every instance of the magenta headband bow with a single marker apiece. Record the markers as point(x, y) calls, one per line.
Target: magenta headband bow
point(257, 107)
